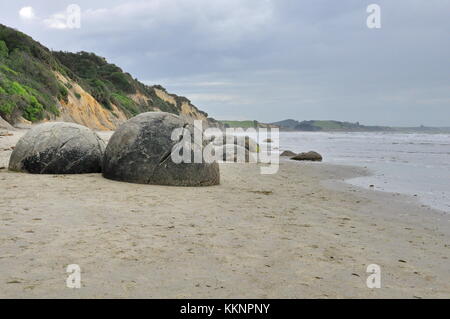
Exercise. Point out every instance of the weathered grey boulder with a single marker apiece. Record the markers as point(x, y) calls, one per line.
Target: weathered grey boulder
point(288, 153)
point(309, 156)
point(58, 148)
point(235, 153)
point(140, 152)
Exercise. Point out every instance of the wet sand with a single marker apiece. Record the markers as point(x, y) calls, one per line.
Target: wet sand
point(302, 233)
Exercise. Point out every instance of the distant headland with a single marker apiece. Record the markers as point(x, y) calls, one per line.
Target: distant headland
point(331, 126)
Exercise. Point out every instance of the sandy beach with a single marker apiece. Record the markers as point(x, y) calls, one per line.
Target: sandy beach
point(302, 233)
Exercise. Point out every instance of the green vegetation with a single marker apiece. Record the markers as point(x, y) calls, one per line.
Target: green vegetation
point(29, 86)
point(5, 68)
point(125, 102)
point(334, 125)
point(105, 82)
point(121, 82)
point(63, 93)
point(6, 107)
point(108, 84)
point(293, 125)
point(242, 124)
point(161, 104)
point(3, 49)
point(20, 97)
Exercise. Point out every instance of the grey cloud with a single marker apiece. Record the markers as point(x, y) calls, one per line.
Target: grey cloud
point(270, 60)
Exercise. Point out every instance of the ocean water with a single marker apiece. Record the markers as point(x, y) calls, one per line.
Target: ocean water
point(414, 164)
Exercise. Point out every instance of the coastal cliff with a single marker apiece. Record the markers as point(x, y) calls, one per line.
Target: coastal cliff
point(38, 85)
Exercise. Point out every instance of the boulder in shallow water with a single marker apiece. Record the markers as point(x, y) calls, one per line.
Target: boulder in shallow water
point(140, 152)
point(58, 148)
point(309, 156)
point(288, 153)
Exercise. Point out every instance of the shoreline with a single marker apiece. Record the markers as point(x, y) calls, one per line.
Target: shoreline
point(399, 163)
point(302, 233)
point(367, 173)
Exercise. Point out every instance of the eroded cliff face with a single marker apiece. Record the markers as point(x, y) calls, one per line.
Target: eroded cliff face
point(81, 107)
point(186, 109)
point(140, 98)
point(39, 85)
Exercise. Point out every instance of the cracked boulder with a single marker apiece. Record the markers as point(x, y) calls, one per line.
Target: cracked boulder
point(58, 148)
point(141, 148)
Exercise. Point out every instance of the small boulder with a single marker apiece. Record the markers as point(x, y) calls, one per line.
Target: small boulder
point(140, 152)
point(309, 156)
point(288, 153)
point(58, 148)
point(268, 140)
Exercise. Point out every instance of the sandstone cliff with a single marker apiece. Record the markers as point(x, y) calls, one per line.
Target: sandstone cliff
point(37, 84)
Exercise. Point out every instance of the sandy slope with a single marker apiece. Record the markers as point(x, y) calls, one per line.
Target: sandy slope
point(294, 234)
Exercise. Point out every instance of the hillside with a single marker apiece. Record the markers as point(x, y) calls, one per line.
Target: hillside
point(338, 126)
point(313, 126)
point(244, 124)
point(37, 84)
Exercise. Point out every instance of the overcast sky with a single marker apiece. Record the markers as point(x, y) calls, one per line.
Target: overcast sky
point(268, 59)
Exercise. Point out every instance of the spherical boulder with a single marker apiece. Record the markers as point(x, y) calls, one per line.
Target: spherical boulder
point(309, 156)
point(58, 148)
point(140, 151)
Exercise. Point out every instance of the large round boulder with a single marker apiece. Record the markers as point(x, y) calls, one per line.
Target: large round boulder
point(58, 148)
point(140, 151)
